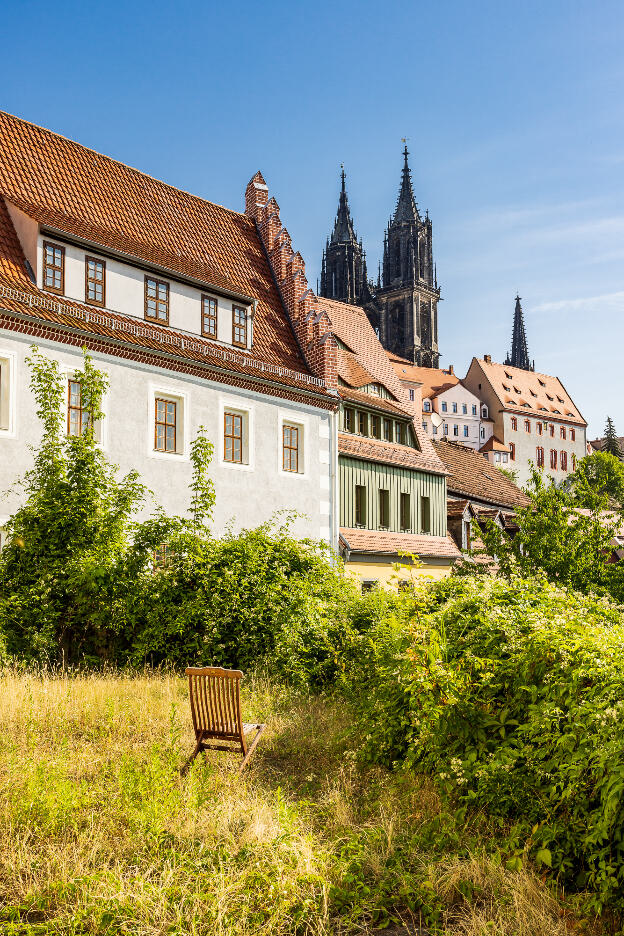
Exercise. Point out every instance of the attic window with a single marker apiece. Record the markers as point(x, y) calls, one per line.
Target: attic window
point(508, 389)
point(375, 388)
point(541, 382)
point(556, 411)
point(561, 400)
point(516, 389)
point(508, 376)
point(533, 393)
point(549, 396)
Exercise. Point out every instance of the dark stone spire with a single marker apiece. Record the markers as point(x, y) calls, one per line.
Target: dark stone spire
point(343, 267)
point(519, 354)
point(406, 209)
point(343, 232)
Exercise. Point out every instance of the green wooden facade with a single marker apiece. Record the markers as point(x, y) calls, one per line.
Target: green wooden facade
point(373, 478)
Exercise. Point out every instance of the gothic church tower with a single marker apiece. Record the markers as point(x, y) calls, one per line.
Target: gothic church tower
point(405, 310)
point(519, 354)
point(343, 270)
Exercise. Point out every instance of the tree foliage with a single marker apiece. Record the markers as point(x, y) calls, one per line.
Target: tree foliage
point(598, 476)
point(611, 440)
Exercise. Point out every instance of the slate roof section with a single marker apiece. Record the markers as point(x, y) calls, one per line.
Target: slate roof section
point(84, 194)
point(387, 453)
point(380, 542)
point(530, 393)
point(471, 475)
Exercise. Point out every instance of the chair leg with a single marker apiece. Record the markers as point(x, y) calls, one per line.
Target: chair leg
point(185, 768)
point(251, 748)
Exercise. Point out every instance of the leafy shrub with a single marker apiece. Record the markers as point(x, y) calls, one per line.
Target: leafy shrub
point(511, 693)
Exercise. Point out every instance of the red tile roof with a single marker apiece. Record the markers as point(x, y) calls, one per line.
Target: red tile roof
point(387, 453)
point(471, 475)
point(494, 445)
point(374, 402)
point(84, 194)
point(351, 370)
point(433, 380)
point(529, 393)
point(381, 542)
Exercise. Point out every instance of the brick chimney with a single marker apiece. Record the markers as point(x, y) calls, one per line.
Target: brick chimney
point(451, 370)
point(312, 326)
point(487, 358)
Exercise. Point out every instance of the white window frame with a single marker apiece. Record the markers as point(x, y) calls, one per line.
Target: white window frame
point(240, 407)
point(302, 423)
point(181, 397)
point(10, 430)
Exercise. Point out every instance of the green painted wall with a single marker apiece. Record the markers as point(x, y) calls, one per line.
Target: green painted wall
point(373, 477)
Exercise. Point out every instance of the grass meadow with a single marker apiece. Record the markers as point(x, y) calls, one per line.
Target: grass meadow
point(99, 833)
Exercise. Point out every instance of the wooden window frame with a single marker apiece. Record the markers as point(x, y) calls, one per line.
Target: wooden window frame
point(237, 343)
point(207, 333)
point(404, 498)
point(84, 415)
point(562, 432)
point(102, 263)
point(539, 456)
point(166, 424)
point(362, 423)
point(46, 266)
point(388, 430)
point(349, 419)
point(360, 505)
point(512, 451)
point(286, 448)
point(572, 435)
point(553, 459)
point(527, 426)
point(376, 427)
point(551, 429)
point(563, 460)
point(384, 508)
point(514, 423)
point(151, 318)
point(425, 502)
point(234, 437)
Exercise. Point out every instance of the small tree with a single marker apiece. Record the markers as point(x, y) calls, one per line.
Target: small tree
point(611, 441)
point(598, 476)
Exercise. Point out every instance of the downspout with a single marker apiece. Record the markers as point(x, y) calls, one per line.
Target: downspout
point(334, 493)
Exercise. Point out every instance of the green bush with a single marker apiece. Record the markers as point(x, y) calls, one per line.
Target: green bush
point(511, 693)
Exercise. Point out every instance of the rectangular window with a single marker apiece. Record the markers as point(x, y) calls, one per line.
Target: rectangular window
point(466, 534)
point(95, 281)
point(514, 423)
point(445, 428)
point(465, 432)
point(512, 451)
point(464, 408)
point(435, 430)
point(455, 430)
point(572, 434)
point(573, 462)
point(376, 427)
point(553, 458)
point(54, 268)
point(239, 326)
point(349, 420)
point(290, 448)
point(562, 432)
point(360, 505)
point(384, 508)
point(474, 409)
point(454, 407)
point(209, 317)
point(165, 426)
point(444, 407)
point(411, 395)
point(77, 416)
point(400, 433)
point(362, 423)
point(552, 430)
point(539, 453)
point(406, 514)
point(162, 556)
point(156, 301)
point(564, 461)
point(425, 515)
point(540, 428)
point(388, 430)
point(233, 438)
point(527, 425)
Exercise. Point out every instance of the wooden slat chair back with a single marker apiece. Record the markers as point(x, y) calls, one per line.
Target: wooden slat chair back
point(216, 713)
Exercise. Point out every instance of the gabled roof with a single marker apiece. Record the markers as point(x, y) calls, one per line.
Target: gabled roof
point(471, 475)
point(494, 445)
point(388, 453)
point(380, 542)
point(372, 401)
point(528, 392)
point(433, 380)
point(85, 195)
point(351, 370)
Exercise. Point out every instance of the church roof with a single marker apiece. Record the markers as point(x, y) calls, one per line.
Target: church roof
point(343, 226)
point(85, 195)
point(406, 208)
point(529, 393)
point(519, 354)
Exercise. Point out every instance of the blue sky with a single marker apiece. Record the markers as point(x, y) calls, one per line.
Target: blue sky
point(513, 114)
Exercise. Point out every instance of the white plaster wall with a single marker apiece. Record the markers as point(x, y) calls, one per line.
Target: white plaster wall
point(245, 495)
point(526, 444)
point(462, 397)
point(125, 292)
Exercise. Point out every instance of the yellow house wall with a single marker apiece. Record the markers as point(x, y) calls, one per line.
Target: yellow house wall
point(388, 576)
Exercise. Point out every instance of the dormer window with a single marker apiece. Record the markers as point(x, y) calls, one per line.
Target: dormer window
point(549, 396)
point(239, 326)
point(426, 406)
point(156, 301)
point(209, 317)
point(508, 376)
point(484, 412)
point(54, 268)
point(541, 382)
point(95, 281)
point(374, 388)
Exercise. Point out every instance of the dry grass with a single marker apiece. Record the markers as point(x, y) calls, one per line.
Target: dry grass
point(100, 835)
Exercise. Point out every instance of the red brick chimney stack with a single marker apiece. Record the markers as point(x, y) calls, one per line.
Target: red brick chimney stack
point(312, 326)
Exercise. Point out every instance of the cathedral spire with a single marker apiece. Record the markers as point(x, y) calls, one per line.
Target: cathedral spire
point(519, 354)
point(343, 226)
point(406, 209)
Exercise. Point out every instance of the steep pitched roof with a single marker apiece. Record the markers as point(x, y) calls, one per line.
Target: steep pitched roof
point(433, 380)
point(388, 453)
point(380, 542)
point(86, 195)
point(529, 393)
point(470, 475)
point(351, 370)
point(494, 445)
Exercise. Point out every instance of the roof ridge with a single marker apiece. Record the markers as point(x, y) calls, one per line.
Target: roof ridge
point(119, 162)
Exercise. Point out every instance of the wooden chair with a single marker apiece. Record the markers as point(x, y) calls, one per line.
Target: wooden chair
point(216, 713)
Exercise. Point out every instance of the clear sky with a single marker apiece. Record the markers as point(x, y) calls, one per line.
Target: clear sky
point(513, 113)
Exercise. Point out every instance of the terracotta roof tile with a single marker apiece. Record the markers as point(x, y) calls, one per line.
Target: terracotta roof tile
point(433, 380)
point(494, 445)
point(351, 370)
point(470, 475)
point(381, 542)
point(530, 393)
point(374, 402)
point(387, 453)
point(84, 194)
